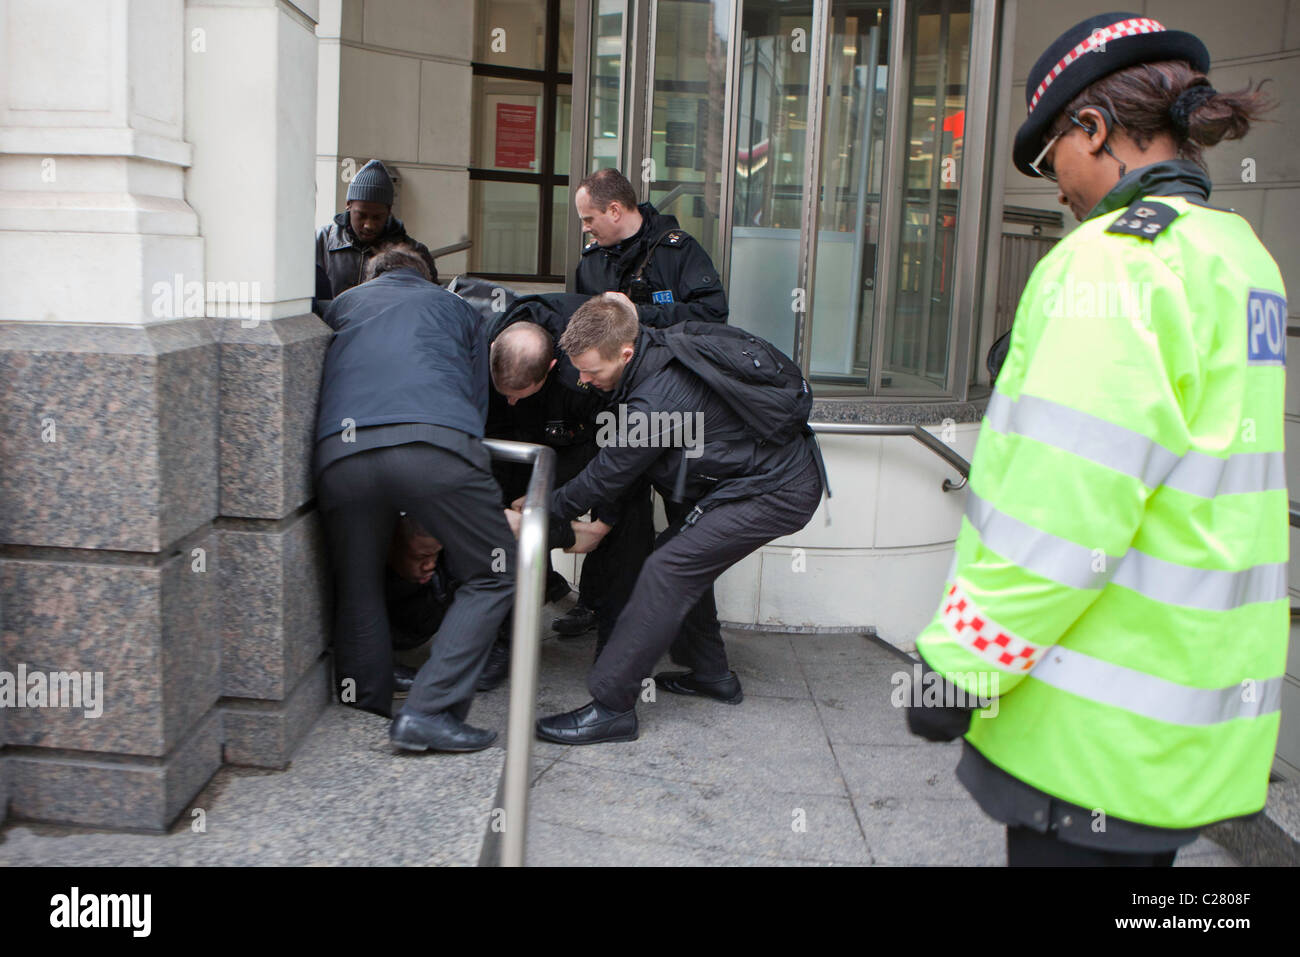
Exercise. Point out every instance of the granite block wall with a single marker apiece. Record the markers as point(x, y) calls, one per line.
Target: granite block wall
point(274, 582)
point(159, 538)
point(109, 568)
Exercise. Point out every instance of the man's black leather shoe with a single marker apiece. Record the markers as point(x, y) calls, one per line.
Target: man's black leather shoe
point(593, 723)
point(577, 621)
point(497, 668)
point(403, 678)
point(437, 732)
point(727, 690)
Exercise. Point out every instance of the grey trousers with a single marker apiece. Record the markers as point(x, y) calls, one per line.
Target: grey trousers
point(459, 504)
point(672, 603)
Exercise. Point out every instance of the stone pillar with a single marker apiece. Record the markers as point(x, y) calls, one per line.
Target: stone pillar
point(108, 448)
point(157, 388)
point(250, 98)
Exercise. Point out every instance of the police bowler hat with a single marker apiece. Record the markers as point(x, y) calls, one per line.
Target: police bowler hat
point(1085, 53)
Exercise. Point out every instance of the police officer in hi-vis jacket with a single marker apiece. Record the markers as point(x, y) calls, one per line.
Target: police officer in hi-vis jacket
point(1120, 578)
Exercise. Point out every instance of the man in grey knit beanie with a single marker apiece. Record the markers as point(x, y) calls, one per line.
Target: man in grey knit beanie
point(345, 244)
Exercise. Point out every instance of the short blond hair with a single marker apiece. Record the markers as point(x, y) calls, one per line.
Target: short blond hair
point(605, 323)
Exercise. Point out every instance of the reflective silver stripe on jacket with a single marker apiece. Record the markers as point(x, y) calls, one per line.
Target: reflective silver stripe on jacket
point(1133, 453)
point(1153, 697)
point(1070, 564)
point(1038, 551)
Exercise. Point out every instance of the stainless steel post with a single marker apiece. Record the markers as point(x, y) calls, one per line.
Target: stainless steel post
point(530, 590)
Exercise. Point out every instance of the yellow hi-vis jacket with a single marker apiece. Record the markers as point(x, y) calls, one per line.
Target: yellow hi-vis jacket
point(1120, 575)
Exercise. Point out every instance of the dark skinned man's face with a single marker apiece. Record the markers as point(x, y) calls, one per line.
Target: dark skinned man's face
point(367, 219)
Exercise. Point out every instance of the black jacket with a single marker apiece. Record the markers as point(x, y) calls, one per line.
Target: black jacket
point(730, 465)
point(564, 404)
point(342, 260)
point(404, 351)
point(681, 278)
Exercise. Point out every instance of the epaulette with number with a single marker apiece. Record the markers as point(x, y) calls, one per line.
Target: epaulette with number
point(675, 237)
point(1145, 219)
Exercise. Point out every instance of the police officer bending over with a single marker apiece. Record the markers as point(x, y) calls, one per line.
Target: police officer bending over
point(726, 494)
point(536, 397)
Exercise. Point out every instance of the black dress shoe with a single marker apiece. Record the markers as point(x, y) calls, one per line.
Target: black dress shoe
point(593, 723)
point(437, 732)
point(727, 690)
point(578, 620)
point(557, 587)
point(497, 668)
point(403, 678)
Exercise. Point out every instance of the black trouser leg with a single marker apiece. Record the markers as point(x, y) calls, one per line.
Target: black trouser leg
point(681, 570)
point(698, 646)
point(359, 523)
point(461, 507)
point(607, 582)
point(1028, 848)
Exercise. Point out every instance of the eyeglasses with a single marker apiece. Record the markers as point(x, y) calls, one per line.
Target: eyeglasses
point(1046, 171)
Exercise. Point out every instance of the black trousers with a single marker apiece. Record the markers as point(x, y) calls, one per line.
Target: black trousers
point(459, 504)
point(672, 606)
point(610, 571)
point(1028, 848)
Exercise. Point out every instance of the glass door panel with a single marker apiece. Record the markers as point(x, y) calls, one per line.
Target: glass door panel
point(605, 104)
point(917, 335)
point(686, 131)
point(771, 139)
point(844, 292)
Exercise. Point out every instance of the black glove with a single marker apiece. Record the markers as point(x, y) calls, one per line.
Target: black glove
point(939, 724)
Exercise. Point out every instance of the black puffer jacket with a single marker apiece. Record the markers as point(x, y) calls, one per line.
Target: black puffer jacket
point(682, 281)
point(342, 260)
point(729, 466)
point(563, 398)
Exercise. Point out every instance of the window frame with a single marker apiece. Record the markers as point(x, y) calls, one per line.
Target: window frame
point(547, 178)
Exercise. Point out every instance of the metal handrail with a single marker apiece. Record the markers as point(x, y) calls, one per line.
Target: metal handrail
point(941, 449)
point(453, 248)
point(526, 633)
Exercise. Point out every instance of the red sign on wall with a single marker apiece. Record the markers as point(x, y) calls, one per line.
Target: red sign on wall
point(516, 136)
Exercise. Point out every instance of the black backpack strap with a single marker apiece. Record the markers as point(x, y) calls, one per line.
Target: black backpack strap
point(640, 270)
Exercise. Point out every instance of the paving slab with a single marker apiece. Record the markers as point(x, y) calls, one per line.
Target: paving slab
point(746, 822)
point(347, 798)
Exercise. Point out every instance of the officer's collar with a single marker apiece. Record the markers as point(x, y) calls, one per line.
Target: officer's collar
point(625, 244)
point(1176, 177)
point(624, 387)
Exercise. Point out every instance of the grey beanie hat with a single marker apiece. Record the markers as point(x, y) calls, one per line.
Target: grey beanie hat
point(372, 184)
